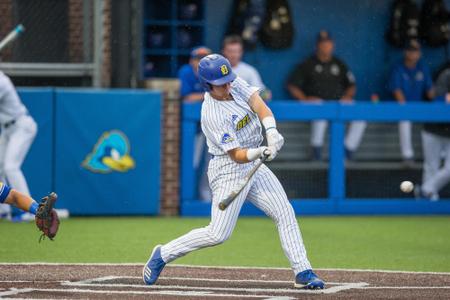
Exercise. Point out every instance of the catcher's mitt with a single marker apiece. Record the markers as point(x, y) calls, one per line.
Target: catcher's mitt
point(46, 218)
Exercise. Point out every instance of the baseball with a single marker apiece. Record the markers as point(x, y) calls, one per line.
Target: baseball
point(407, 186)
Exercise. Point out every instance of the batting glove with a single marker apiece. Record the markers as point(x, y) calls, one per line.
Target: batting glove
point(270, 151)
point(255, 153)
point(274, 139)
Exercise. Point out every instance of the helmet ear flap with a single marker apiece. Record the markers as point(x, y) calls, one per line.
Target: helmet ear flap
point(206, 86)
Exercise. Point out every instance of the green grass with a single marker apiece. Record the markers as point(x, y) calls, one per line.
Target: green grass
point(395, 243)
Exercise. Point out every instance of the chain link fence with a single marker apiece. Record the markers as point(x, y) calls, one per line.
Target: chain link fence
point(56, 31)
point(62, 38)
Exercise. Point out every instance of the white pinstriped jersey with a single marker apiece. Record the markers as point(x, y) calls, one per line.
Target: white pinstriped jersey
point(10, 105)
point(231, 124)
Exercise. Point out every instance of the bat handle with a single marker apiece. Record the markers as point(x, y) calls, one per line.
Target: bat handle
point(222, 205)
point(266, 154)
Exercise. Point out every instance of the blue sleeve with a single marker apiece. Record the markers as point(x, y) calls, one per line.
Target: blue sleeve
point(395, 80)
point(439, 99)
point(4, 192)
point(185, 80)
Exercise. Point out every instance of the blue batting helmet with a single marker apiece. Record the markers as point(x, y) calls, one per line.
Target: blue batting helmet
point(216, 70)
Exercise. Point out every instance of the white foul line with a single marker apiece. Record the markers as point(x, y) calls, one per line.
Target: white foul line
point(338, 288)
point(184, 287)
point(106, 278)
point(14, 291)
point(98, 279)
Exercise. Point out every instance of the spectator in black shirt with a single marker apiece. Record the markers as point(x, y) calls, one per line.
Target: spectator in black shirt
point(325, 77)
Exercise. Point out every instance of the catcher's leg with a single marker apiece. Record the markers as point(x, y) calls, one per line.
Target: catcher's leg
point(18, 199)
point(5, 209)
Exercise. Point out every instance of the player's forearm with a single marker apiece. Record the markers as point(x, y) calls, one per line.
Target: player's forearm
point(431, 94)
point(21, 201)
point(194, 97)
point(260, 107)
point(243, 156)
point(398, 95)
point(296, 92)
point(239, 155)
point(349, 93)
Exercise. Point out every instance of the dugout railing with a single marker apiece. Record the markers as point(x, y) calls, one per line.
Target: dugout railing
point(338, 115)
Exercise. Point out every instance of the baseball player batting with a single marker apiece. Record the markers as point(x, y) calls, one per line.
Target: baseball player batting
point(231, 117)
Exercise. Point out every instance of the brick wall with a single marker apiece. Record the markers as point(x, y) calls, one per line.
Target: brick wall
point(170, 146)
point(171, 158)
point(75, 15)
point(76, 40)
point(106, 64)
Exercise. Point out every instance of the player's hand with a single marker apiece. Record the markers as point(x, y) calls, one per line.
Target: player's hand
point(274, 139)
point(345, 100)
point(270, 152)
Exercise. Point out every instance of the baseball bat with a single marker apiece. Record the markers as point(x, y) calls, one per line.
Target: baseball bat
point(12, 36)
point(241, 185)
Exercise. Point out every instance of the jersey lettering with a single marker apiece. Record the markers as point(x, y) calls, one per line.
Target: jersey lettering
point(243, 122)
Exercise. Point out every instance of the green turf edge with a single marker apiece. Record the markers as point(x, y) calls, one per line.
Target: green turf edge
point(387, 243)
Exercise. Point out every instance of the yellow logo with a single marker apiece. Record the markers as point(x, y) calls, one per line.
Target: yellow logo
point(242, 123)
point(224, 70)
point(111, 153)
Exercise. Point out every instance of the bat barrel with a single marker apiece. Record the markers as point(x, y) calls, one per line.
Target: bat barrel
point(19, 28)
point(12, 36)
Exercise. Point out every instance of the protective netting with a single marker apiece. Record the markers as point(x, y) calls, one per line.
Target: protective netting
point(56, 31)
point(374, 172)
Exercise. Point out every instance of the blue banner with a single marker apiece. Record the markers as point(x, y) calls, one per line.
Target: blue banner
point(107, 151)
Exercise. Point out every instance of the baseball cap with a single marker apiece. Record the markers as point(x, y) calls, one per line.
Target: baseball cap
point(200, 52)
point(413, 45)
point(324, 35)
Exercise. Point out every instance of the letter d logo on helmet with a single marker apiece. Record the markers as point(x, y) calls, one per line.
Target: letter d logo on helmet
point(224, 69)
point(215, 69)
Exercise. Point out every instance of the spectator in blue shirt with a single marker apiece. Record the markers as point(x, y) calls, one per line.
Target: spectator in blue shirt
point(410, 81)
point(191, 89)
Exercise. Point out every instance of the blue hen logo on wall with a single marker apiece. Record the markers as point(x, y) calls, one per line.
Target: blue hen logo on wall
point(110, 153)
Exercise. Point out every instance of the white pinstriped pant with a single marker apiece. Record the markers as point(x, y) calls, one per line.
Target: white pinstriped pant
point(15, 141)
point(264, 191)
point(405, 134)
point(435, 176)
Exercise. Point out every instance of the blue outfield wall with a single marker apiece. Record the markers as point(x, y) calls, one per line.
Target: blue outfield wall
point(38, 164)
point(98, 149)
point(337, 115)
